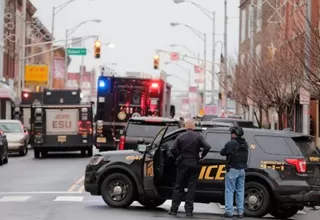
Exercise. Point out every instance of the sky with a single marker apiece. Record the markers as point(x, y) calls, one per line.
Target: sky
point(138, 28)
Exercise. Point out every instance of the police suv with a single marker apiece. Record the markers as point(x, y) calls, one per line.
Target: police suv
point(61, 123)
point(280, 179)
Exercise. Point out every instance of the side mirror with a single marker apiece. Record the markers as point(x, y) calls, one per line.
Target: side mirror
point(142, 148)
point(140, 141)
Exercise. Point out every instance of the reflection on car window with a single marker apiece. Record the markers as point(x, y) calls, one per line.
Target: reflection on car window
point(10, 127)
point(147, 130)
point(217, 140)
point(273, 145)
point(158, 138)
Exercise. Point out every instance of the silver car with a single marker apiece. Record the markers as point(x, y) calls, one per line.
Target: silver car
point(16, 135)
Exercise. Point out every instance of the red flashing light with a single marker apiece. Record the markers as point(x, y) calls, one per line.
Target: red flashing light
point(154, 85)
point(26, 95)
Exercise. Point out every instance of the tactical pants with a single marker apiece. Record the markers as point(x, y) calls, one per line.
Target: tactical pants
point(187, 170)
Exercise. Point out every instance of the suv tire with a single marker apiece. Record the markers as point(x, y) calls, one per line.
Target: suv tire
point(257, 192)
point(283, 212)
point(151, 204)
point(121, 184)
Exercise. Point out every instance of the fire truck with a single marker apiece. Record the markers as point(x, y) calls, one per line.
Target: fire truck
point(61, 122)
point(120, 98)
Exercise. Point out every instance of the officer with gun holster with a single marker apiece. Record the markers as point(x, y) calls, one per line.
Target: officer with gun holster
point(186, 149)
point(236, 151)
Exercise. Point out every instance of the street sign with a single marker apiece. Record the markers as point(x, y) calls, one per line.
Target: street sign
point(77, 51)
point(36, 75)
point(304, 97)
point(174, 56)
point(197, 69)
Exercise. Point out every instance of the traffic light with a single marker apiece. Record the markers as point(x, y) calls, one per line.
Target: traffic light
point(156, 62)
point(97, 49)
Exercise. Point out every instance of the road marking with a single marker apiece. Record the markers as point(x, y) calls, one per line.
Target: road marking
point(14, 198)
point(77, 185)
point(68, 199)
point(38, 192)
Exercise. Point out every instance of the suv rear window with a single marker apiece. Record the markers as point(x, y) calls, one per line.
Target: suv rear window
point(148, 129)
point(307, 146)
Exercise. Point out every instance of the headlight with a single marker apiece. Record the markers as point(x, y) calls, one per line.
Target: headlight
point(96, 160)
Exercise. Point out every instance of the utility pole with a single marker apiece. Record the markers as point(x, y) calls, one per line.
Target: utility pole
point(51, 47)
point(251, 115)
point(66, 60)
point(22, 49)
point(213, 55)
point(225, 56)
point(204, 71)
point(306, 107)
point(2, 25)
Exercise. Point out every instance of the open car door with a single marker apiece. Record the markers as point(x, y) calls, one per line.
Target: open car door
point(149, 165)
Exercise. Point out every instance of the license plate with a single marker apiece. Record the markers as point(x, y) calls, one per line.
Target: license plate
point(101, 139)
point(62, 139)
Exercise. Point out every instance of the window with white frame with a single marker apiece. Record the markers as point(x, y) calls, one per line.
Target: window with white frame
point(259, 16)
point(243, 25)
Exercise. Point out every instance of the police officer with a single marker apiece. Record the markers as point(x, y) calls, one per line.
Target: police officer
point(236, 152)
point(186, 149)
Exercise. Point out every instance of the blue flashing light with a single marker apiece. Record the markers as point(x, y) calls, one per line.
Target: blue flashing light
point(102, 84)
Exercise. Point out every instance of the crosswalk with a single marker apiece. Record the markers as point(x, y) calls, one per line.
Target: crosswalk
point(14, 199)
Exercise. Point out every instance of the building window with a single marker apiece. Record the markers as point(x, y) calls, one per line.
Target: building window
point(259, 16)
point(243, 25)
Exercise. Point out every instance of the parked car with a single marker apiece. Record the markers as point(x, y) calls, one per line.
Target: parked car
point(16, 135)
point(3, 148)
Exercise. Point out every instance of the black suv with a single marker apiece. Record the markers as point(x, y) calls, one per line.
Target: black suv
point(280, 180)
point(144, 128)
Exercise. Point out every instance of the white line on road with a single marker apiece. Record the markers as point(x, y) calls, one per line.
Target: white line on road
point(14, 198)
point(69, 199)
point(39, 192)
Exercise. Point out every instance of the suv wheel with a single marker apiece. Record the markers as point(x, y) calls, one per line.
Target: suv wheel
point(117, 190)
point(283, 212)
point(151, 204)
point(256, 200)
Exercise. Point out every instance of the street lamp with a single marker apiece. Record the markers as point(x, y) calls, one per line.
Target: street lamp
point(203, 37)
point(189, 77)
point(68, 33)
point(55, 11)
point(212, 16)
point(186, 48)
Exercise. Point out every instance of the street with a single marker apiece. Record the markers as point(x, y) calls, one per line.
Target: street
point(52, 188)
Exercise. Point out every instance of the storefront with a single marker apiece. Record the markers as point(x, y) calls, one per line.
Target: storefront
point(7, 100)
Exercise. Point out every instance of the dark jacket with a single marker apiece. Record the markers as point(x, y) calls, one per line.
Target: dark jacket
point(189, 144)
point(236, 151)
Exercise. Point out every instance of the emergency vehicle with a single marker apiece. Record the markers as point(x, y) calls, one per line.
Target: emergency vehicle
point(120, 98)
point(61, 123)
point(23, 112)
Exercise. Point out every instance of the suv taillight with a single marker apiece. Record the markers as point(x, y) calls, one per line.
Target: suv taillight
point(299, 163)
point(121, 143)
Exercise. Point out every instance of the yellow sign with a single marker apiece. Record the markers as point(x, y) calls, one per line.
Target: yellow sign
point(314, 159)
point(216, 172)
point(201, 112)
point(274, 165)
point(36, 75)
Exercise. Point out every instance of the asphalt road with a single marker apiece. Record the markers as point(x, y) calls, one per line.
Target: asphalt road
point(52, 189)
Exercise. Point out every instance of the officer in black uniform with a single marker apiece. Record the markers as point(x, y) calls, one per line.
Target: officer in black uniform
point(236, 152)
point(186, 149)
